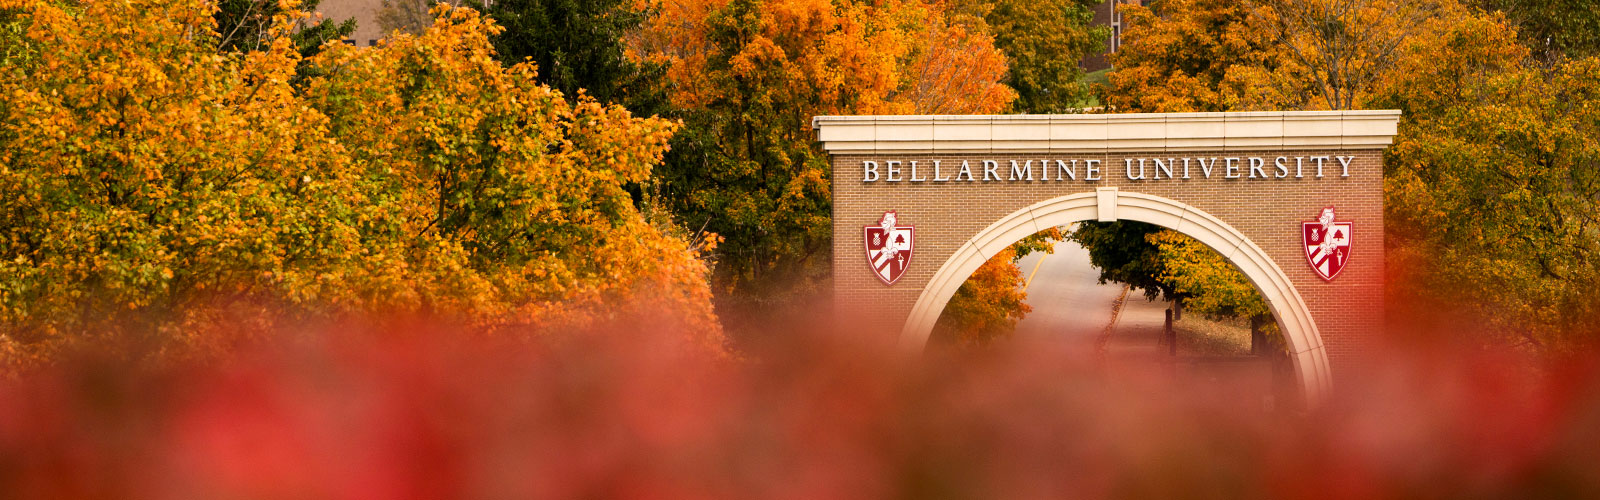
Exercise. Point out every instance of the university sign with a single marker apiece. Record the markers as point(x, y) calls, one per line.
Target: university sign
point(1249, 167)
point(1279, 194)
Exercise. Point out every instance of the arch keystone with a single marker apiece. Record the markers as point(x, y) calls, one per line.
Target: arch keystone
point(1107, 198)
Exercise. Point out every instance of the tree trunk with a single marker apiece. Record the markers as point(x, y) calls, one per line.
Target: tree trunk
point(1258, 338)
point(1171, 336)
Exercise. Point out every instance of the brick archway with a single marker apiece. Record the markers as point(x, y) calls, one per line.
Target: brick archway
point(1109, 204)
point(1243, 183)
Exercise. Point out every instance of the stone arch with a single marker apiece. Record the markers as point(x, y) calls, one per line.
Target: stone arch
point(1309, 357)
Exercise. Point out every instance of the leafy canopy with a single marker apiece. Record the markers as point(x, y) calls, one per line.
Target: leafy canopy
point(579, 45)
point(1043, 41)
point(1490, 189)
point(747, 76)
point(157, 185)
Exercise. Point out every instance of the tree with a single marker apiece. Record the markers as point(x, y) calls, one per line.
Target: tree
point(1553, 29)
point(1167, 264)
point(1185, 56)
point(1043, 40)
point(1123, 253)
point(579, 45)
point(1339, 50)
point(955, 68)
point(247, 25)
point(1209, 283)
point(987, 306)
point(748, 76)
point(1491, 198)
point(1488, 187)
point(178, 191)
point(1204, 55)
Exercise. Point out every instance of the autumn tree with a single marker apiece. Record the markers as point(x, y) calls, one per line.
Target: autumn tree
point(748, 76)
point(1491, 192)
point(1165, 264)
point(954, 68)
point(1204, 55)
point(1488, 185)
point(1210, 285)
point(157, 187)
point(987, 306)
point(1338, 51)
point(1185, 56)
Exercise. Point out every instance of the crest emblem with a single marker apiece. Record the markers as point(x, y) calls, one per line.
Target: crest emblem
point(1327, 244)
point(889, 248)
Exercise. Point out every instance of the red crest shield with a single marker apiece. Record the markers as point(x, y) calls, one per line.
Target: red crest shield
point(889, 248)
point(1327, 243)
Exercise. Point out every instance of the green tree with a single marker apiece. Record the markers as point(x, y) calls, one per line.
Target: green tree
point(744, 166)
point(1207, 281)
point(1043, 40)
point(579, 44)
point(1123, 253)
point(1553, 28)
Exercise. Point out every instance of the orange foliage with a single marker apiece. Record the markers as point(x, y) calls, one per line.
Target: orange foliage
point(1211, 55)
point(957, 71)
point(1177, 56)
point(748, 76)
point(149, 176)
point(893, 57)
point(988, 304)
point(1490, 183)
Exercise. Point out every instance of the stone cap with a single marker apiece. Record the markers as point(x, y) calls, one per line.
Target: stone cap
point(1250, 130)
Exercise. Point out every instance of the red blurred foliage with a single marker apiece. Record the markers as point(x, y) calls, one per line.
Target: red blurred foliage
point(424, 411)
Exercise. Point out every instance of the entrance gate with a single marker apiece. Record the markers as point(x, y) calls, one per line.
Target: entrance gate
point(1293, 199)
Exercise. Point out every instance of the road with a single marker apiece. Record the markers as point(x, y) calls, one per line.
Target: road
point(1070, 306)
point(1072, 310)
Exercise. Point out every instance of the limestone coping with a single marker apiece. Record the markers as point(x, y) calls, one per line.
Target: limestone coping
point(1252, 130)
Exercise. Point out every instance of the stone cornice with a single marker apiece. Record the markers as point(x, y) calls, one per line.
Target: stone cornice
point(1255, 130)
